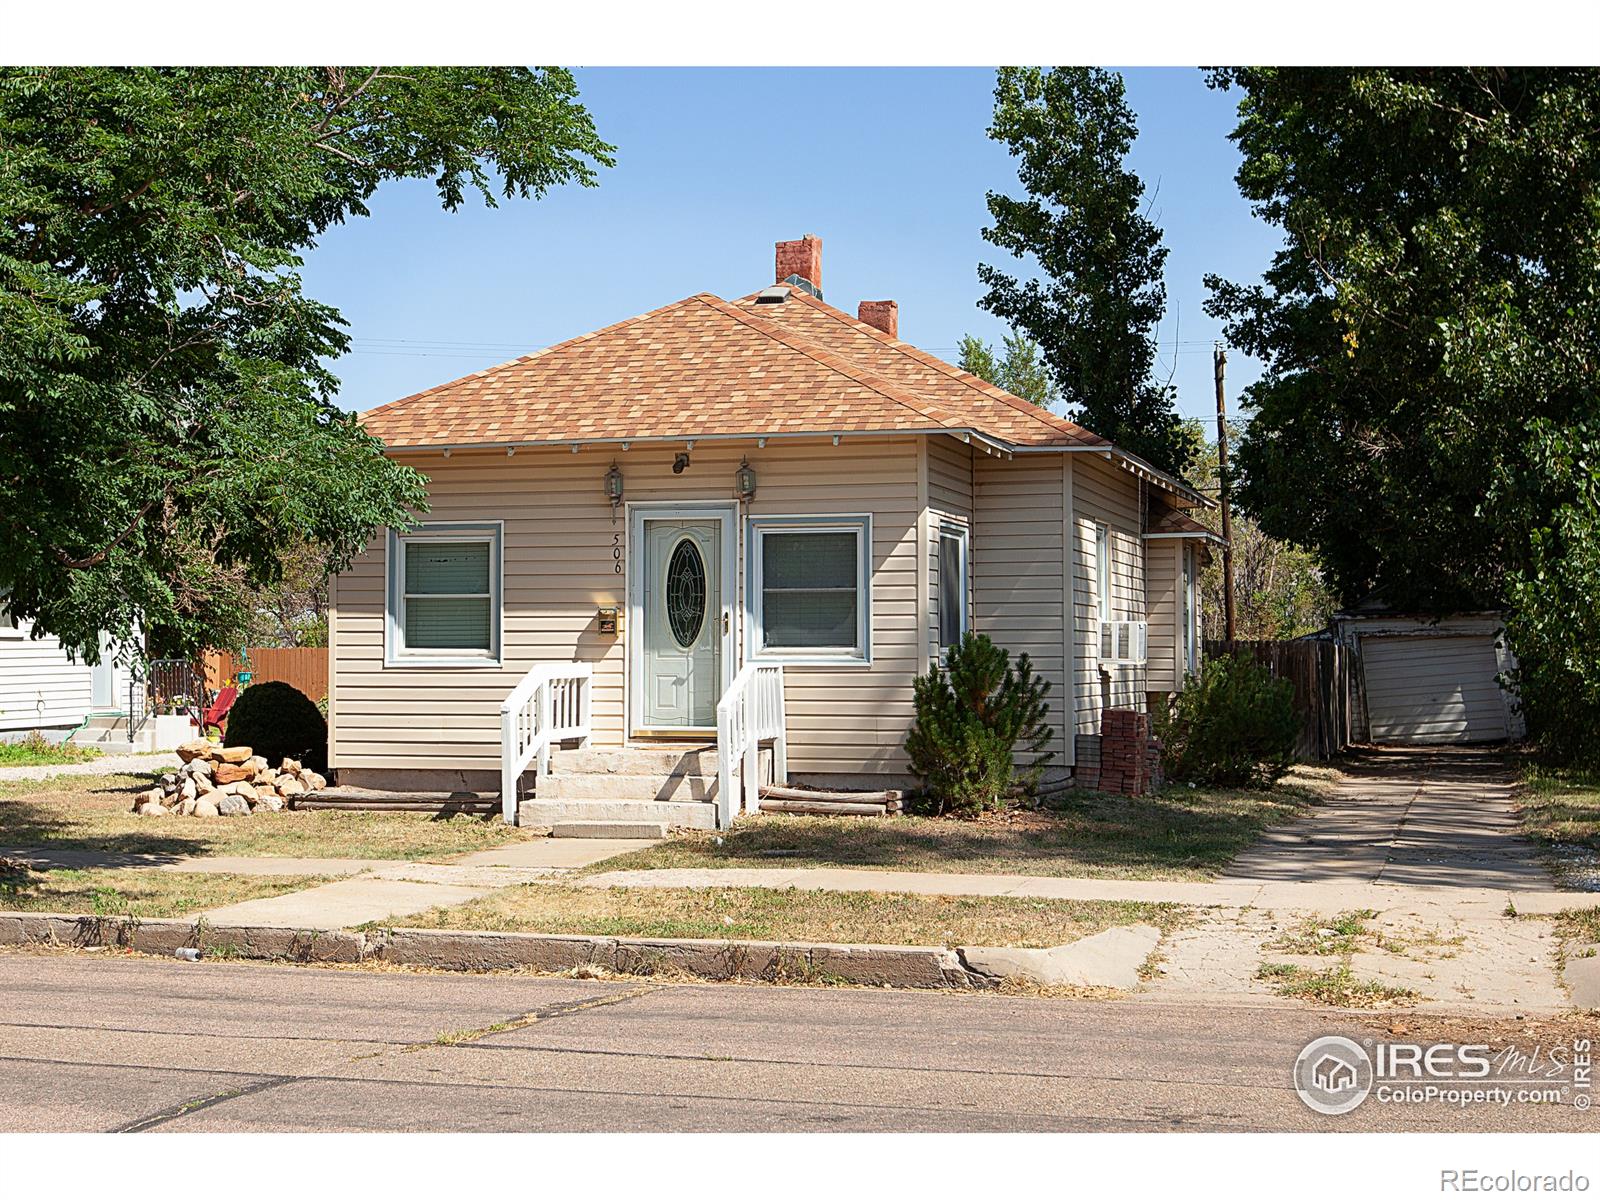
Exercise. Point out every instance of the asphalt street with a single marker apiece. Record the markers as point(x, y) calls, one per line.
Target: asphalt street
point(94, 1042)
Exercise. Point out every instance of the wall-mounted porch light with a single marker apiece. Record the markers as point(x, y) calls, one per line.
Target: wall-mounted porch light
point(744, 480)
point(614, 488)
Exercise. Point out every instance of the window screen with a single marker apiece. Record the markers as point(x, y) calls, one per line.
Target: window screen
point(448, 599)
point(810, 590)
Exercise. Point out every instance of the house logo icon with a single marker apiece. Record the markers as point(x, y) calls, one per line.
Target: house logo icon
point(1333, 1075)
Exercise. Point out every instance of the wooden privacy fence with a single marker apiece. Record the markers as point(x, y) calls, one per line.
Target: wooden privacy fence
point(302, 667)
point(1320, 673)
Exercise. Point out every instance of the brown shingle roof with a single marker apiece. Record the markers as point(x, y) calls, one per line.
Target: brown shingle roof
point(993, 409)
point(1176, 523)
point(703, 367)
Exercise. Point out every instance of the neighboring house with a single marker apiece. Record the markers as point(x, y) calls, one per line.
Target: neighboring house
point(666, 509)
point(43, 688)
point(1421, 679)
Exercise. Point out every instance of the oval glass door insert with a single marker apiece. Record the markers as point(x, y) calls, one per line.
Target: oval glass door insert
point(686, 593)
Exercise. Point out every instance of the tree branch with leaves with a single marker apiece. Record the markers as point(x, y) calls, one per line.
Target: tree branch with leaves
point(167, 419)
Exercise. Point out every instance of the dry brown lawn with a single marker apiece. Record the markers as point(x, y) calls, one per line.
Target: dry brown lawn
point(1182, 833)
point(767, 914)
point(92, 813)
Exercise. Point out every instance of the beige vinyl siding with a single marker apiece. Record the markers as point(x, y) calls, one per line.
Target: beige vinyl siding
point(950, 476)
point(1106, 494)
point(559, 570)
point(1016, 566)
point(1163, 557)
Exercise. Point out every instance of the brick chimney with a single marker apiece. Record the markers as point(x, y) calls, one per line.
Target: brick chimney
point(880, 314)
point(802, 258)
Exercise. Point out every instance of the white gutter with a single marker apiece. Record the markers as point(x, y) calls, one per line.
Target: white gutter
point(989, 444)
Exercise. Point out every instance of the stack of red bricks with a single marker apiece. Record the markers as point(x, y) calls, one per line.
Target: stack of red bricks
point(1126, 753)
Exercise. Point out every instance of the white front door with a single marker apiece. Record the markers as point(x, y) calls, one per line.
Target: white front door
point(102, 678)
point(681, 603)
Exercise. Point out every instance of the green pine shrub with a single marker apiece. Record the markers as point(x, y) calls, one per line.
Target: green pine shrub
point(1234, 725)
point(278, 721)
point(972, 715)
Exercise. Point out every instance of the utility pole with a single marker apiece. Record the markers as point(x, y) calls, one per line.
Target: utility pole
point(1219, 361)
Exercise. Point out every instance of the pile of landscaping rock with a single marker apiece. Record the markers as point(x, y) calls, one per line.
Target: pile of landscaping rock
point(226, 781)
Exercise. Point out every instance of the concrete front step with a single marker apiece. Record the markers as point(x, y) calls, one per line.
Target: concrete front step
point(673, 814)
point(676, 759)
point(626, 830)
point(687, 788)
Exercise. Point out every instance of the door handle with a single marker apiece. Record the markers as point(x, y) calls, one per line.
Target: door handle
point(724, 624)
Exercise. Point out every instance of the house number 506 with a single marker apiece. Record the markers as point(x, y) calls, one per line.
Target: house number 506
point(616, 552)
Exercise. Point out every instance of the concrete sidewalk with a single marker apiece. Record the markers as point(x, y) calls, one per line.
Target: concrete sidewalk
point(381, 890)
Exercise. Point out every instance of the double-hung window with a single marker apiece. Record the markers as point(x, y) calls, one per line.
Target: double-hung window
point(1102, 572)
point(810, 589)
point(444, 596)
point(952, 584)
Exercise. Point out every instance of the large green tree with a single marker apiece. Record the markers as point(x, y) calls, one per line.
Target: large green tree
point(1099, 299)
point(167, 420)
point(1019, 369)
point(1429, 417)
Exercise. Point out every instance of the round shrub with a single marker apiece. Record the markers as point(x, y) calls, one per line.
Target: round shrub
point(278, 721)
point(1234, 726)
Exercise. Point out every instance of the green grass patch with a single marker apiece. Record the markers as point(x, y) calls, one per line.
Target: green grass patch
point(36, 750)
point(1342, 934)
point(138, 893)
point(1336, 986)
point(793, 914)
point(1182, 833)
point(92, 814)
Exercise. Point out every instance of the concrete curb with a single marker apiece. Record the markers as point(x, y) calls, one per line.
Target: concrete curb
point(166, 935)
point(472, 950)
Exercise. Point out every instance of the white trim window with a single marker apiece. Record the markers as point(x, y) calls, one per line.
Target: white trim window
point(1191, 611)
point(444, 596)
point(953, 575)
point(1102, 572)
point(810, 589)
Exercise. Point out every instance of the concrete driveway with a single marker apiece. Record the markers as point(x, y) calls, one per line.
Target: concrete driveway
point(1435, 817)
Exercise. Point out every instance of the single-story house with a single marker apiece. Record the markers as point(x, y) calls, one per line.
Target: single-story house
point(726, 521)
point(44, 688)
point(1428, 678)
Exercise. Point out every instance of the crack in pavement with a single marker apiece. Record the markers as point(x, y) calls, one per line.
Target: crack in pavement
point(196, 1103)
point(564, 1008)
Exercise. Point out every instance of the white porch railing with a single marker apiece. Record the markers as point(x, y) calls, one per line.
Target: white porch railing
point(553, 703)
point(749, 713)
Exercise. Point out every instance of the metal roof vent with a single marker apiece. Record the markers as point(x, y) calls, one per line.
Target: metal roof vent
point(806, 284)
point(776, 294)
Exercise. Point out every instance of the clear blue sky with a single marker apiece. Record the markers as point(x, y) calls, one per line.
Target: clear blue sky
point(889, 167)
